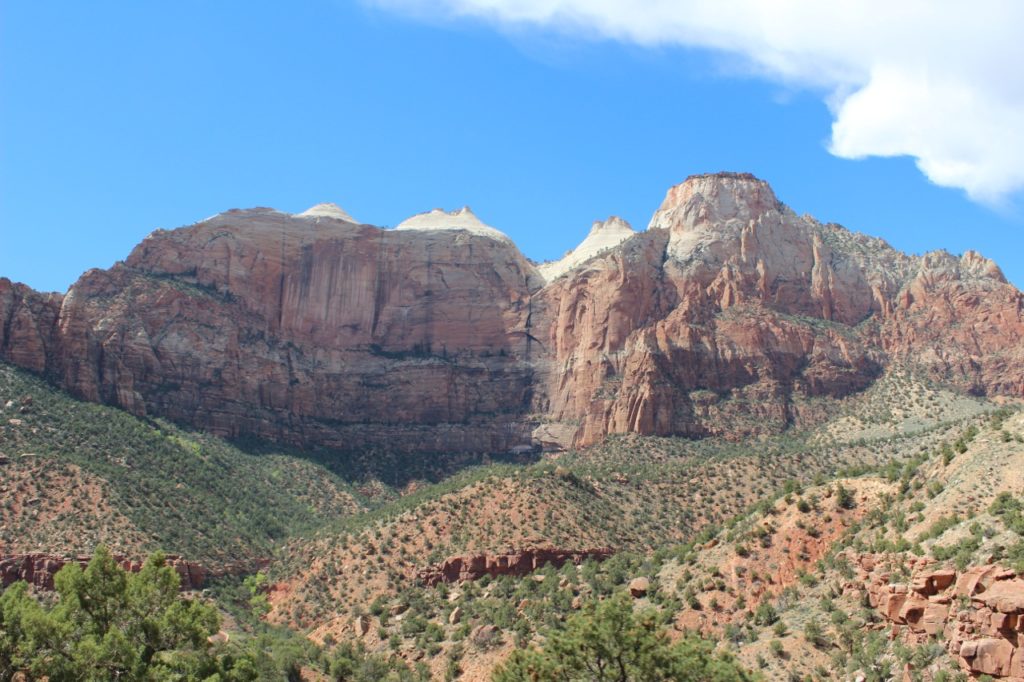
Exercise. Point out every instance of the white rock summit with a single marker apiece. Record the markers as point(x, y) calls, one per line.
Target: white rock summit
point(327, 211)
point(603, 235)
point(462, 219)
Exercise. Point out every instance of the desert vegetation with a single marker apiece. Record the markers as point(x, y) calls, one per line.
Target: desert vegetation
point(744, 544)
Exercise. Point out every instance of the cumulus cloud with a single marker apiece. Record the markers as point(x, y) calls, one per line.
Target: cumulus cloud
point(937, 80)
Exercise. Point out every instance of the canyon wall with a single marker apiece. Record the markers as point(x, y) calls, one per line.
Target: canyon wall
point(724, 317)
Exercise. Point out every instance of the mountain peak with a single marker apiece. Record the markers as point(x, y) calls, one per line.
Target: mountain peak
point(327, 210)
point(460, 219)
point(604, 234)
point(614, 224)
point(716, 197)
point(736, 306)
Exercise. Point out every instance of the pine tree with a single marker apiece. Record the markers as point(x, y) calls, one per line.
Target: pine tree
point(108, 624)
point(611, 643)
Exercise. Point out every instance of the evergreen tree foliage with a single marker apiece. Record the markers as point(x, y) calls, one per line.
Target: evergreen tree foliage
point(609, 642)
point(108, 624)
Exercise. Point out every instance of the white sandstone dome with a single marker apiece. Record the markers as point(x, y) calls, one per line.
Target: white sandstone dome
point(462, 219)
point(327, 210)
point(603, 235)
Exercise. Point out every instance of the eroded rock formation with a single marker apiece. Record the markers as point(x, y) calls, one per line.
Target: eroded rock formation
point(516, 563)
point(723, 317)
point(38, 570)
point(978, 612)
point(310, 332)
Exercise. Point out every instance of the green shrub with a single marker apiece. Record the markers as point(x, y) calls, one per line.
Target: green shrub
point(108, 624)
point(610, 643)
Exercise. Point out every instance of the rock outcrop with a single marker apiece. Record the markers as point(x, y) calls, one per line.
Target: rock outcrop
point(312, 332)
point(38, 570)
point(724, 317)
point(516, 563)
point(978, 613)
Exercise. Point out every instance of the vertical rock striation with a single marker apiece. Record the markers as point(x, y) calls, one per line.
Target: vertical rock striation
point(723, 317)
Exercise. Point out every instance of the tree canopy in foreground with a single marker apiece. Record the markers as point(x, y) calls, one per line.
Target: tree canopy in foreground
point(108, 624)
point(610, 642)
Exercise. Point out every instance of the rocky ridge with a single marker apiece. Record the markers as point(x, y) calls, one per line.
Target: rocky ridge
point(727, 316)
point(515, 563)
point(38, 570)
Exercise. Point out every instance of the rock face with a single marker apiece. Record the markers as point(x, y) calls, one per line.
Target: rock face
point(313, 332)
point(439, 336)
point(979, 614)
point(730, 308)
point(516, 563)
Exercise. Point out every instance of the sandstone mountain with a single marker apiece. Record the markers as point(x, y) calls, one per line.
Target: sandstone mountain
point(603, 235)
point(729, 315)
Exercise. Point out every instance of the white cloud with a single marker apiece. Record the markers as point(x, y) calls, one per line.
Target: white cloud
point(939, 80)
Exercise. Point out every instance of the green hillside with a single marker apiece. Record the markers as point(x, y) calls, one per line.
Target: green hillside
point(180, 491)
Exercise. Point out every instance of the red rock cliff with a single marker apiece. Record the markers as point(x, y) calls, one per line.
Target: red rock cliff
point(307, 331)
point(313, 330)
point(730, 308)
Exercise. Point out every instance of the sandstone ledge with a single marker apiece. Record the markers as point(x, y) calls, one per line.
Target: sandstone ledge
point(39, 569)
point(516, 563)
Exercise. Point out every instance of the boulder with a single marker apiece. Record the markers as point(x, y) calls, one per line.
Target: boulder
point(973, 580)
point(933, 582)
point(638, 587)
point(1005, 596)
point(484, 635)
point(934, 620)
point(890, 604)
point(554, 437)
point(912, 610)
point(990, 656)
point(219, 637)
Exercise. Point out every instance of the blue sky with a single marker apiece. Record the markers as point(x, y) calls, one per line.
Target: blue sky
point(120, 117)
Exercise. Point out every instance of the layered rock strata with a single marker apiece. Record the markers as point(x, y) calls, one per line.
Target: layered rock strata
point(39, 570)
point(515, 563)
point(728, 316)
